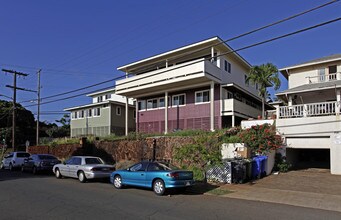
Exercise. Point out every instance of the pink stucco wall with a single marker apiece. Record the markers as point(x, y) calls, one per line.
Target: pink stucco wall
point(191, 116)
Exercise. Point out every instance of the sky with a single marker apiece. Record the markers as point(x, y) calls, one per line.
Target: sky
point(81, 42)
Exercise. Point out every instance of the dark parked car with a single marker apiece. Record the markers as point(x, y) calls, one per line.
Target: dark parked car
point(39, 162)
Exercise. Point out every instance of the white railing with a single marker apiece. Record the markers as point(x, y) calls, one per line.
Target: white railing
point(309, 110)
point(324, 78)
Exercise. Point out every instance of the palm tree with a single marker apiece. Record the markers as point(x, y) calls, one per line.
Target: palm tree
point(265, 75)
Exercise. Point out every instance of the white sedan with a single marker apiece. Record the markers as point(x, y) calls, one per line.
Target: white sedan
point(83, 168)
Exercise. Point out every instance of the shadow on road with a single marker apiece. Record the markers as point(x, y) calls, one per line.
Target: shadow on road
point(17, 174)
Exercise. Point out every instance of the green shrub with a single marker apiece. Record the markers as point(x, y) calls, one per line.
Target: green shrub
point(231, 139)
point(281, 164)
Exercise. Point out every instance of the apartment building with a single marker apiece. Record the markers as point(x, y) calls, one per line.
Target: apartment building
point(104, 116)
point(310, 122)
point(198, 86)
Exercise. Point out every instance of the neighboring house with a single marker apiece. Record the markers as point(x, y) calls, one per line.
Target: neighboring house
point(311, 123)
point(105, 116)
point(191, 88)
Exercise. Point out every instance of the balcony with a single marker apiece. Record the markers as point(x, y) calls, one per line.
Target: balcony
point(309, 110)
point(182, 75)
point(324, 78)
point(234, 105)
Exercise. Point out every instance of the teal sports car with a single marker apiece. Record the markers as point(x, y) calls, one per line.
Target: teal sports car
point(155, 175)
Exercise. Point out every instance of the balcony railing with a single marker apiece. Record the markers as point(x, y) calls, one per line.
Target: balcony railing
point(309, 110)
point(324, 78)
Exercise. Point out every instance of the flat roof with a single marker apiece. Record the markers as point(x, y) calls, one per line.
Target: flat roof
point(200, 43)
point(95, 104)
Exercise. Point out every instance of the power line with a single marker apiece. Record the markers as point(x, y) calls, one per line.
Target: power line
point(70, 97)
point(166, 35)
point(186, 54)
point(233, 51)
point(76, 90)
point(247, 33)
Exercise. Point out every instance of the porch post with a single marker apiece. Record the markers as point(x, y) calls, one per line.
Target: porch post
point(126, 112)
point(233, 121)
point(212, 106)
point(338, 101)
point(126, 117)
point(137, 116)
point(212, 54)
point(166, 112)
point(289, 100)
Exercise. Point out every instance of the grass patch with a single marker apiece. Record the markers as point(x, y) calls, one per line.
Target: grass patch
point(219, 191)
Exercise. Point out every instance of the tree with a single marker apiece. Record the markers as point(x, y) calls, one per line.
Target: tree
point(265, 75)
point(25, 125)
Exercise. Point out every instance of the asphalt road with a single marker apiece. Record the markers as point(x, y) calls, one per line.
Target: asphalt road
point(24, 196)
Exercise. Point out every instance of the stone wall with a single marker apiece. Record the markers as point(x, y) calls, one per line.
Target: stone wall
point(119, 150)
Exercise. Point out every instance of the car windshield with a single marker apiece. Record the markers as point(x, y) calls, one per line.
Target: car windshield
point(23, 154)
point(93, 161)
point(47, 157)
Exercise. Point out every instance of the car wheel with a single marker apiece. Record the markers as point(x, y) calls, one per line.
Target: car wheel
point(118, 182)
point(34, 170)
point(22, 169)
point(159, 187)
point(10, 167)
point(2, 166)
point(58, 174)
point(81, 177)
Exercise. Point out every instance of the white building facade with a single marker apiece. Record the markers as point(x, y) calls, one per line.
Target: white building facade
point(311, 121)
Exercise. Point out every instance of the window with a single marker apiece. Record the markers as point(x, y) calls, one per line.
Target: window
point(81, 114)
point(229, 95)
point(89, 113)
point(76, 161)
point(245, 80)
point(178, 100)
point(138, 167)
point(202, 96)
point(99, 98)
point(161, 102)
point(74, 115)
point(142, 105)
point(97, 112)
point(321, 73)
point(151, 103)
point(227, 66)
point(93, 160)
point(118, 110)
point(108, 96)
point(332, 69)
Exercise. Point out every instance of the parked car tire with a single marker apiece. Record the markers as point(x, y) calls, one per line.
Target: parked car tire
point(159, 187)
point(58, 174)
point(81, 177)
point(2, 167)
point(10, 167)
point(22, 169)
point(118, 182)
point(34, 170)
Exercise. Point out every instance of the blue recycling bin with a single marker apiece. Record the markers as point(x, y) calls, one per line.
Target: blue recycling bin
point(259, 166)
point(263, 164)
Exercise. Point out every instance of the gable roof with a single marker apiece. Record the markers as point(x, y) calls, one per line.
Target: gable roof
point(326, 59)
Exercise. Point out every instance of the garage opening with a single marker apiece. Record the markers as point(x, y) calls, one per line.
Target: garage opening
point(308, 158)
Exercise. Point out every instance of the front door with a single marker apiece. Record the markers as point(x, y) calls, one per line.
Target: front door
point(74, 166)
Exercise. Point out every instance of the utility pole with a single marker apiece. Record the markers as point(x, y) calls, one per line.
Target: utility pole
point(38, 112)
point(14, 87)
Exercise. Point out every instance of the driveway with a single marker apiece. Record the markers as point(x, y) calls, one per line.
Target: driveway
point(314, 188)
